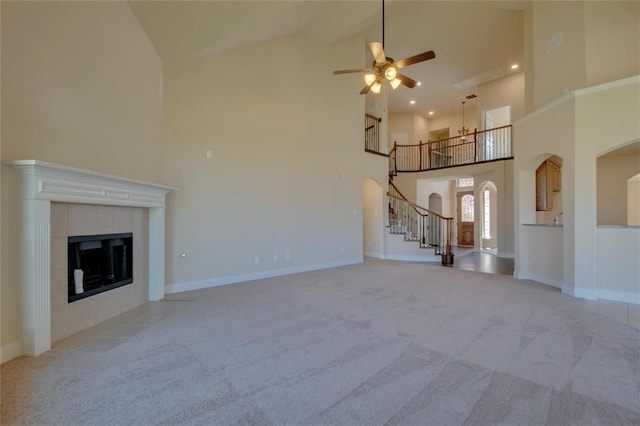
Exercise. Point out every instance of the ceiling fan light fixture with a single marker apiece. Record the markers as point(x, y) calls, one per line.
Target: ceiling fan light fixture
point(390, 73)
point(395, 83)
point(369, 79)
point(386, 68)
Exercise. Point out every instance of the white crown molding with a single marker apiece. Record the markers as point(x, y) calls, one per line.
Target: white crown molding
point(570, 95)
point(607, 86)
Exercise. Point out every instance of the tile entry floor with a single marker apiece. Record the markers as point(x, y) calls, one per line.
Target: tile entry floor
point(469, 260)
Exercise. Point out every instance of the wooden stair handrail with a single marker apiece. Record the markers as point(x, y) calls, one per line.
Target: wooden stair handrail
point(402, 197)
point(419, 207)
point(374, 117)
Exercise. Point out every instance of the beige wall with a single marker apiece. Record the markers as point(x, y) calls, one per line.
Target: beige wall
point(76, 219)
point(579, 128)
point(605, 119)
point(557, 71)
point(453, 120)
point(546, 132)
point(612, 40)
point(612, 176)
point(420, 128)
point(598, 43)
point(373, 213)
point(2, 326)
point(82, 86)
point(401, 129)
point(633, 201)
point(508, 90)
point(413, 127)
point(283, 189)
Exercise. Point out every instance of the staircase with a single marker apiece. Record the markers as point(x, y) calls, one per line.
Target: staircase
point(430, 230)
point(418, 224)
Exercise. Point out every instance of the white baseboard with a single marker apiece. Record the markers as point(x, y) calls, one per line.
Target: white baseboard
point(233, 279)
point(430, 259)
point(375, 254)
point(585, 293)
point(10, 351)
point(618, 296)
point(538, 278)
point(506, 255)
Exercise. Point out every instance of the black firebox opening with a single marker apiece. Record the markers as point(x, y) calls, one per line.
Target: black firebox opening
point(98, 263)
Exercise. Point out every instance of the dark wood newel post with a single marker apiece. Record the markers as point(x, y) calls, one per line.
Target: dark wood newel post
point(395, 156)
point(420, 154)
point(475, 144)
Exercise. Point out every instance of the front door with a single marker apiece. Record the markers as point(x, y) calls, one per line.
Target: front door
point(465, 218)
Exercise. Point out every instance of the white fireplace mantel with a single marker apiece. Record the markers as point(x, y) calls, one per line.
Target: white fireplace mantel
point(43, 183)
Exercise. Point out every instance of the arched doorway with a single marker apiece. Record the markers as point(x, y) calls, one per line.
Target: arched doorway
point(435, 202)
point(466, 218)
point(488, 218)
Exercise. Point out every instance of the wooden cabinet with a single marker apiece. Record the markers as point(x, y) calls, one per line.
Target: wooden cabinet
point(548, 181)
point(554, 172)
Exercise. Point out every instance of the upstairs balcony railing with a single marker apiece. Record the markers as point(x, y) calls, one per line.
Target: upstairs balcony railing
point(477, 147)
point(372, 135)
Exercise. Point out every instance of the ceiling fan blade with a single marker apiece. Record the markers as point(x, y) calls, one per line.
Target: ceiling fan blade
point(352, 71)
point(365, 90)
point(378, 52)
point(415, 59)
point(406, 81)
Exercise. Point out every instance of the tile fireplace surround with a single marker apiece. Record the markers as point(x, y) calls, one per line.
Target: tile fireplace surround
point(43, 183)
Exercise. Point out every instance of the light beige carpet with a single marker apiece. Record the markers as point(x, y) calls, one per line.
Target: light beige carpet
point(378, 343)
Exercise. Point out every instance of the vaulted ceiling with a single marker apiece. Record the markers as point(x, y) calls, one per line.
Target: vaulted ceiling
point(474, 41)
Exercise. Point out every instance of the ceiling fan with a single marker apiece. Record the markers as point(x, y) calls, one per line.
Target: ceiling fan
point(386, 68)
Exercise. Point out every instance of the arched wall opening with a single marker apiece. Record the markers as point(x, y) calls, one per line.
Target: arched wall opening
point(633, 201)
point(548, 185)
point(540, 246)
point(373, 219)
point(617, 186)
point(435, 202)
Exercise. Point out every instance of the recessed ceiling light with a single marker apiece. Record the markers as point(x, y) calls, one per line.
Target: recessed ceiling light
point(412, 102)
point(514, 66)
point(430, 112)
point(419, 83)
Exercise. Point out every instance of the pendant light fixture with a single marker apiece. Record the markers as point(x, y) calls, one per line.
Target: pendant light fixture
point(464, 131)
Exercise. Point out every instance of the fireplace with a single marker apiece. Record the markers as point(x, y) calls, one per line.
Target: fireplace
point(98, 263)
point(43, 184)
